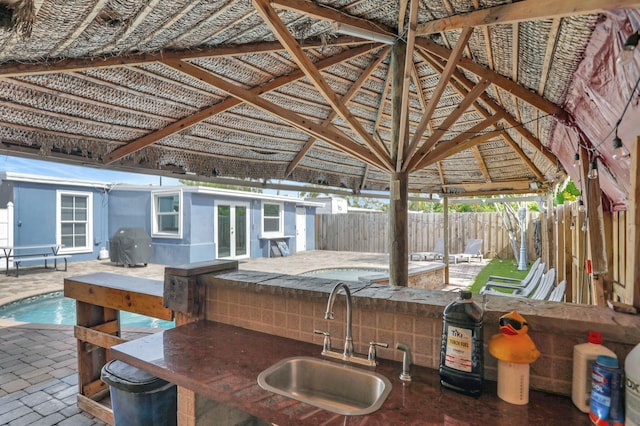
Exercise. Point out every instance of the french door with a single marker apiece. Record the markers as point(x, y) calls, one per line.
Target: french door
point(232, 230)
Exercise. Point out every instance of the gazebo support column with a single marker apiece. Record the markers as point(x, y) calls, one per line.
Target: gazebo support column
point(398, 235)
point(398, 244)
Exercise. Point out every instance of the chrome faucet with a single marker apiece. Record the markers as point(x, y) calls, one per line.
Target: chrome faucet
point(348, 353)
point(348, 340)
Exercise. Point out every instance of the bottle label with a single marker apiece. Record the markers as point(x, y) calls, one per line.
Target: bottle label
point(633, 402)
point(459, 349)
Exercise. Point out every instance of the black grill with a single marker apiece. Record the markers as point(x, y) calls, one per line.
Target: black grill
point(130, 246)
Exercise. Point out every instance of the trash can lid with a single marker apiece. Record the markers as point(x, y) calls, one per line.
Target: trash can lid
point(128, 378)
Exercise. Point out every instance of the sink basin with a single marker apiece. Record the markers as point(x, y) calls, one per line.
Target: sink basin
point(328, 385)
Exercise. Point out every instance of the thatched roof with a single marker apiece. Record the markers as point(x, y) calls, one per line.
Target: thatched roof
point(271, 90)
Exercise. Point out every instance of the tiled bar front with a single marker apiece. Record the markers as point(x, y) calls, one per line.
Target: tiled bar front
point(293, 307)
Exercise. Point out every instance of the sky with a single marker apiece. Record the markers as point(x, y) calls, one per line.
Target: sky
point(53, 169)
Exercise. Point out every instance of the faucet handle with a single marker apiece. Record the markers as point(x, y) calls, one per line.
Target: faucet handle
point(326, 342)
point(372, 350)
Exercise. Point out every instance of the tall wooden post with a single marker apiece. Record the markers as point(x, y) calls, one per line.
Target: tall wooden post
point(398, 236)
point(445, 205)
point(632, 281)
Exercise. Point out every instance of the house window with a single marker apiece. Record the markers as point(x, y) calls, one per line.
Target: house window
point(74, 229)
point(167, 219)
point(272, 219)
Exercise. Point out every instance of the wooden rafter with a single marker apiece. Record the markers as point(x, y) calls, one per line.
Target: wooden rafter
point(526, 10)
point(446, 148)
point(514, 145)
point(507, 186)
point(469, 99)
point(453, 59)
point(516, 125)
point(441, 173)
point(346, 98)
point(69, 65)
point(553, 36)
point(317, 11)
point(449, 150)
point(328, 134)
point(227, 104)
point(509, 85)
point(406, 80)
point(481, 164)
point(281, 32)
point(458, 86)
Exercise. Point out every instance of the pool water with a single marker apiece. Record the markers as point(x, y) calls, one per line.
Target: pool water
point(347, 274)
point(54, 308)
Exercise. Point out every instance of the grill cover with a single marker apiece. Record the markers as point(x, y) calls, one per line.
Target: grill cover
point(130, 246)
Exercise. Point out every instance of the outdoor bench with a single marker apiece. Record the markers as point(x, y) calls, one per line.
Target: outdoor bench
point(18, 259)
point(32, 253)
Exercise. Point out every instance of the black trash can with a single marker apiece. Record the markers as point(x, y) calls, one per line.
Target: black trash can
point(138, 398)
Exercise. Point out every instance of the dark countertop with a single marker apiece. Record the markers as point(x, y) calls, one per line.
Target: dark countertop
point(222, 363)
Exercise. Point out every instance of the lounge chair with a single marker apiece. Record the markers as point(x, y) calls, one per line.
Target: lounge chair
point(512, 280)
point(545, 287)
point(472, 249)
point(438, 252)
point(557, 294)
point(535, 292)
point(523, 288)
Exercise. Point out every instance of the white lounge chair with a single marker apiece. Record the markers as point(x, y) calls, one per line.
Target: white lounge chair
point(471, 250)
point(557, 294)
point(512, 280)
point(524, 287)
point(535, 292)
point(437, 253)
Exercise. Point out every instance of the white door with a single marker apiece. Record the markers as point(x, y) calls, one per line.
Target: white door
point(232, 230)
point(301, 229)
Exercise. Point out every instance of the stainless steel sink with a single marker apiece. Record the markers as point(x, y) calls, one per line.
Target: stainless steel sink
point(328, 385)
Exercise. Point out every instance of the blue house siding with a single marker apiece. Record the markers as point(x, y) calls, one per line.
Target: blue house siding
point(35, 216)
point(116, 206)
point(200, 227)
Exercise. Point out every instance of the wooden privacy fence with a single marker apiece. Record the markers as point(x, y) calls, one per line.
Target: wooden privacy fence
point(369, 232)
point(565, 243)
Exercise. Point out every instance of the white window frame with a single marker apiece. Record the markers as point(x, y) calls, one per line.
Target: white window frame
point(89, 223)
point(155, 232)
point(279, 233)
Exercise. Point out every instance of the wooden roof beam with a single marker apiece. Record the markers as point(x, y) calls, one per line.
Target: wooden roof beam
point(436, 64)
point(481, 164)
point(452, 61)
point(328, 134)
point(526, 10)
point(459, 144)
point(323, 13)
point(516, 125)
point(227, 104)
point(80, 64)
point(519, 185)
point(509, 140)
point(281, 32)
point(403, 124)
point(469, 99)
point(346, 98)
point(503, 82)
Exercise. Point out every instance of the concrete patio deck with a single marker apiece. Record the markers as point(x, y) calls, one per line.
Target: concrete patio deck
point(38, 380)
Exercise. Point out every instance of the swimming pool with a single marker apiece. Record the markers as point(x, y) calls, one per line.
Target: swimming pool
point(54, 308)
point(347, 274)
